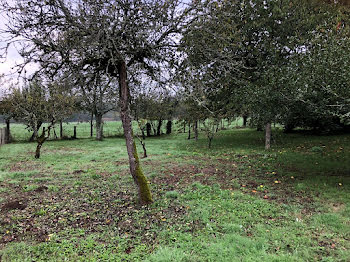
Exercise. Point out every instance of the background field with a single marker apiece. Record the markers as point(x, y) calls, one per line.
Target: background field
point(19, 132)
point(234, 202)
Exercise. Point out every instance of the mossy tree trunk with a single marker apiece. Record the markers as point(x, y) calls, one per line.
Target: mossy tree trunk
point(140, 179)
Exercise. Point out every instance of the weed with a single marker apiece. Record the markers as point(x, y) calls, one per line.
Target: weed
point(172, 194)
point(28, 188)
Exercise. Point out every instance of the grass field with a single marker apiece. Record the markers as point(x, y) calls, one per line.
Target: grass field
point(234, 202)
point(19, 132)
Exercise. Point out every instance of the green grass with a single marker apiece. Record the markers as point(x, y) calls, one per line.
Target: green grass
point(233, 202)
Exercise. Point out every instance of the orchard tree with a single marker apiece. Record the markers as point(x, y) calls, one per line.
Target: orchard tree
point(318, 83)
point(97, 95)
point(155, 105)
point(35, 104)
point(108, 37)
point(236, 61)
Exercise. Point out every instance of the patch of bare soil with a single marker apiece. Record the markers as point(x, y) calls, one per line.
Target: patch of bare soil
point(24, 166)
point(225, 173)
point(16, 204)
point(93, 208)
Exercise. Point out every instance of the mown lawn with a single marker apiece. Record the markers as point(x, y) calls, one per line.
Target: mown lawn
point(234, 202)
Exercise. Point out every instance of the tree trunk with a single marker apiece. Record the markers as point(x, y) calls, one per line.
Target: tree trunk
point(144, 148)
point(143, 133)
point(259, 126)
point(7, 132)
point(268, 136)
point(184, 127)
point(140, 179)
point(92, 125)
point(210, 139)
point(245, 118)
point(99, 127)
point(74, 133)
point(37, 151)
point(196, 130)
point(40, 141)
point(148, 129)
point(61, 130)
point(168, 127)
point(153, 128)
point(160, 121)
point(189, 131)
point(54, 134)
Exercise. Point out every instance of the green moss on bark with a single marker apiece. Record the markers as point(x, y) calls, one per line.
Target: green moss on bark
point(141, 180)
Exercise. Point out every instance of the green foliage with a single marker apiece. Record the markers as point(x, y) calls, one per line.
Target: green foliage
point(28, 188)
point(317, 149)
point(172, 194)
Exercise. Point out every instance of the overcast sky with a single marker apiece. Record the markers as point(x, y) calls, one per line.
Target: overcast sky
point(7, 66)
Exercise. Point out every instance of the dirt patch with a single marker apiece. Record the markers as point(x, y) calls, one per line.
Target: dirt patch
point(12, 205)
point(76, 172)
point(41, 189)
point(91, 209)
point(177, 176)
point(24, 166)
point(337, 207)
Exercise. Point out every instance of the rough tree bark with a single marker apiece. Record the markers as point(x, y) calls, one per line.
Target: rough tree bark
point(268, 136)
point(140, 180)
point(99, 127)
